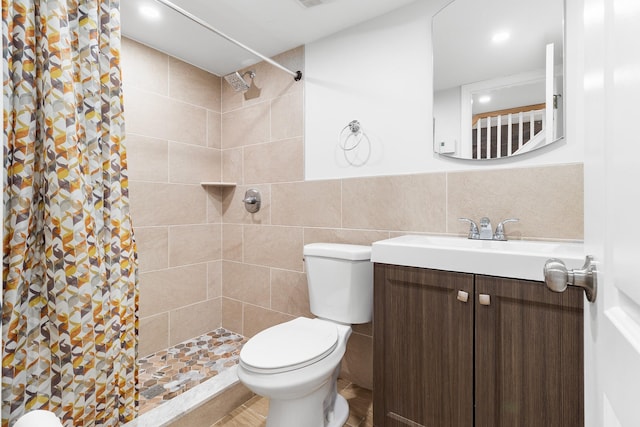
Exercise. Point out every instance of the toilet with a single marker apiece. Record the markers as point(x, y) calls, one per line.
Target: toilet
point(296, 364)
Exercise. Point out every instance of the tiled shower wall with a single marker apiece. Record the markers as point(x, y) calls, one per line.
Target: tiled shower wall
point(173, 140)
point(263, 281)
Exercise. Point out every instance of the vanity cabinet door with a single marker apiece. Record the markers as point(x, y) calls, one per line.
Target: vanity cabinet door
point(423, 347)
point(529, 355)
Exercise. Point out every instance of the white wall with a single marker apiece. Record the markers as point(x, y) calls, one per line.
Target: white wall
point(380, 73)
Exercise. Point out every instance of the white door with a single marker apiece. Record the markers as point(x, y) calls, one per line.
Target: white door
point(612, 209)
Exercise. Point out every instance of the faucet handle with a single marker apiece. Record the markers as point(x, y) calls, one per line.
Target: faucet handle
point(473, 228)
point(499, 234)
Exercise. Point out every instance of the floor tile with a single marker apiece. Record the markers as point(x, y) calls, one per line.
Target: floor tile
point(168, 373)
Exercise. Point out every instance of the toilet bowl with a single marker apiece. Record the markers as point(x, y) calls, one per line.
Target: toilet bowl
point(300, 387)
point(296, 364)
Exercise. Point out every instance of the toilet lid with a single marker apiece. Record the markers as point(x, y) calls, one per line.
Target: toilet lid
point(288, 346)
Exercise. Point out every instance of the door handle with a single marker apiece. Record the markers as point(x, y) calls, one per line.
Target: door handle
point(557, 277)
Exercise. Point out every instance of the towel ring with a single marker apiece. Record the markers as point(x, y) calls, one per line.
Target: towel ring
point(353, 138)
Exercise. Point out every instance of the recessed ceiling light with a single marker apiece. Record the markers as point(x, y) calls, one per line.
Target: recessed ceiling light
point(500, 37)
point(149, 11)
point(484, 99)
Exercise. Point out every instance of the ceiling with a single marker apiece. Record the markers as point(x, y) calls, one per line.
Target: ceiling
point(267, 26)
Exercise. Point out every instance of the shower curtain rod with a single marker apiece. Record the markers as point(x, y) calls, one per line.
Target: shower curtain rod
point(297, 75)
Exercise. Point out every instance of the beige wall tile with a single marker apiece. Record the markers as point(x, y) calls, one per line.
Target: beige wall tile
point(246, 126)
point(144, 68)
point(214, 129)
point(153, 248)
point(290, 293)
point(340, 235)
point(273, 82)
point(357, 363)
point(193, 85)
point(246, 283)
point(231, 100)
point(232, 168)
point(311, 203)
point(214, 279)
point(166, 290)
point(215, 408)
point(273, 246)
point(214, 204)
point(287, 117)
point(167, 204)
point(190, 244)
point(232, 315)
point(232, 242)
point(403, 202)
point(190, 164)
point(547, 200)
point(233, 210)
point(153, 334)
point(257, 319)
point(281, 161)
point(193, 320)
point(161, 117)
point(147, 158)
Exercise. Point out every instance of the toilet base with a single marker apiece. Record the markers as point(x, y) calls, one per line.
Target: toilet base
point(340, 412)
point(309, 411)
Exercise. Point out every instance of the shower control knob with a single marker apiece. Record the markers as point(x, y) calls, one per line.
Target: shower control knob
point(252, 200)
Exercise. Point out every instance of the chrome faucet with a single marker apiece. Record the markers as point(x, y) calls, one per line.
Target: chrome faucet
point(484, 232)
point(499, 234)
point(473, 228)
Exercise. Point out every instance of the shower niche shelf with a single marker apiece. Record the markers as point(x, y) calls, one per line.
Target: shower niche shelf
point(218, 184)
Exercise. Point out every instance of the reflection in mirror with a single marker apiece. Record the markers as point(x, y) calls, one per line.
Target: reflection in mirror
point(498, 77)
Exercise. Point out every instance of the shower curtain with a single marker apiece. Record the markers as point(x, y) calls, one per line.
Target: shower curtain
point(69, 312)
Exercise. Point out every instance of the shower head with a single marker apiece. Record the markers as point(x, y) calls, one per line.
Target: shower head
point(237, 81)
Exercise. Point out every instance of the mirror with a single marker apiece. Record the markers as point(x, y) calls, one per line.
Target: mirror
point(498, 77)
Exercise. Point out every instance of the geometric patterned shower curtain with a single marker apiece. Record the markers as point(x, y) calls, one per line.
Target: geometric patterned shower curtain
point(69, 312)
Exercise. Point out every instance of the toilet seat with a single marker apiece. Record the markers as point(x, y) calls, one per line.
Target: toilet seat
point(288, 346)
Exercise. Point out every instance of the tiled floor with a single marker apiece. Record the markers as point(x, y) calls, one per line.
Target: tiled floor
point(170, 372)
point(253, 413)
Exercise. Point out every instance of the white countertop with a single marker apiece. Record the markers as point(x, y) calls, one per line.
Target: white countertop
point(520, 259)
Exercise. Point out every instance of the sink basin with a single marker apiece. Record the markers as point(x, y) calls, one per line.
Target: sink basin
point(520, 259)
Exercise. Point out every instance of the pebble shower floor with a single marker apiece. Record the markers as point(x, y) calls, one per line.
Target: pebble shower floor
point(168, 373)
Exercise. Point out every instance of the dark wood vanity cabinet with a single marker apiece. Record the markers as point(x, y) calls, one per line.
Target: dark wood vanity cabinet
point(514, 360)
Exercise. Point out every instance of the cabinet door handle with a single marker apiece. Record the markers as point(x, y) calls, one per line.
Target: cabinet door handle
point(463, 296)
point(484, 299)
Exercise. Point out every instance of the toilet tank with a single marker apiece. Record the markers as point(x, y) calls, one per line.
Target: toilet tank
point(340, 279)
